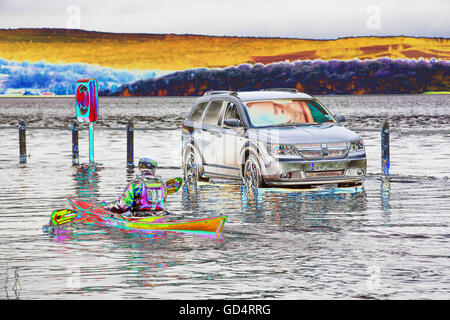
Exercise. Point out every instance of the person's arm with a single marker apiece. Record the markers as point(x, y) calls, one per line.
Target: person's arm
point(125, 201)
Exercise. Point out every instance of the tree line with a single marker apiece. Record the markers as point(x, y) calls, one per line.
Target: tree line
point(318, 77)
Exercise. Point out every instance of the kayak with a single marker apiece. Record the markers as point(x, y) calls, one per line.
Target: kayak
point(91, 213)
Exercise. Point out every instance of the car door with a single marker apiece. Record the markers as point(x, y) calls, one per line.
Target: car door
point(232, 141)
point(192, 126)
point(211, 136)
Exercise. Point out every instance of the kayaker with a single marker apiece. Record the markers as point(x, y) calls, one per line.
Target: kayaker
point(143, 196)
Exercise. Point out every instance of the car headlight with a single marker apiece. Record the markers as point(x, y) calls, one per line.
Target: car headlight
point(282, 149)
point(357, 145)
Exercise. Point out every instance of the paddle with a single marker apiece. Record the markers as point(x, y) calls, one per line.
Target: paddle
point(173, 185)
point(62, 216)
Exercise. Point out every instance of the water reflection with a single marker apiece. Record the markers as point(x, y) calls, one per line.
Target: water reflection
point(190, 199)
point(145, 270)
point(251, 196)
point(252, 203)
point(385, 199)
point(385, 195)
point(139, 262)
point(145, 267)
point(59, 235)
point(134, 252)
point(330, 207)
point(86, 177)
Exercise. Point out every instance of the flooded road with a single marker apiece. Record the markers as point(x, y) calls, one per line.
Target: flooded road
point(382, 241)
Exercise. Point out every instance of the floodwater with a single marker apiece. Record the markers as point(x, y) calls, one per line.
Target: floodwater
point(386, 241)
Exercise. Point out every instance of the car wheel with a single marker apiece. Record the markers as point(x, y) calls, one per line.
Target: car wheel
point(191, 168)
point(252, 174)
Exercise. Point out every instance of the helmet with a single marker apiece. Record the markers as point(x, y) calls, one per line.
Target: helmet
point(147, 164)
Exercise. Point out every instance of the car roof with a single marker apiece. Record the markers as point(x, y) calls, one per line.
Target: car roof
point(260, 95)
point(264, 95)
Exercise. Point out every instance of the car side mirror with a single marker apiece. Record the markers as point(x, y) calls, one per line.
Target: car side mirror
point(234, 123)
point(339, 117)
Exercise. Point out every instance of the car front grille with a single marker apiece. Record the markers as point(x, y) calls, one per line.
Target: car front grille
point(329, 173)
point(334, 150)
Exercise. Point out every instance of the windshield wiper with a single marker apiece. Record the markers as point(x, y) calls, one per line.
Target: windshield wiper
point(286, 124)
point(293, 124)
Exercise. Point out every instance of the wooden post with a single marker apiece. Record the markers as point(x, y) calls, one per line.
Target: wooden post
point(75, 150)
point(385, 158)
point(130, 144)
point(22, 142)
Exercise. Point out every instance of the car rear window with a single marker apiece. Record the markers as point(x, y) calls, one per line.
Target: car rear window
point(212, 113)
point(198, 112)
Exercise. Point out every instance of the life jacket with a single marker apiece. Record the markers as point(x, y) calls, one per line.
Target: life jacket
point(153, 196)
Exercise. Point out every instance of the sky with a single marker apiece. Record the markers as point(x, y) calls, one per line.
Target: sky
point(313, 19)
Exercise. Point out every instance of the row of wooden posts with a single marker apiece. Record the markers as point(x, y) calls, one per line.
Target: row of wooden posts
point(75, 149)
point(385, 157)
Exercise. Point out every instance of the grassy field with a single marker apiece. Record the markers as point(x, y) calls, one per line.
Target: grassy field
point(180, 52)
point(437, 92)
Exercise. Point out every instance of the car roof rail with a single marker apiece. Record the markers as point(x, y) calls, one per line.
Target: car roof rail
point(211, 92)
point(293, 90)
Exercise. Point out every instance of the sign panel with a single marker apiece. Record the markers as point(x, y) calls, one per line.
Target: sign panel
point(86, 100)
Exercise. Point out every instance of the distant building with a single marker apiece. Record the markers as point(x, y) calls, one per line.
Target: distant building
point(22, 92)
point(14, 92)
point(47, 94)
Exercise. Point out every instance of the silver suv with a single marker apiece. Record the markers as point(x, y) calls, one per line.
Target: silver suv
point(274, 137)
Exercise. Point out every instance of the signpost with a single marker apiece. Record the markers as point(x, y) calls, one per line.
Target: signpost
point(130, 144)
point(86, 105)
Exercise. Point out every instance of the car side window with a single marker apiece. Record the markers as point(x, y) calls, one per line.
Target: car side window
point(231, 112)
point(318, 114)
point(213, 112)
point(198, 112)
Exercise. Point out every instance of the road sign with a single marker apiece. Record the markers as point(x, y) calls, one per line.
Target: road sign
point(86, 100)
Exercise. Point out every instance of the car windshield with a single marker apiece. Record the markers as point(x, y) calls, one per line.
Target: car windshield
point(287, 112)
